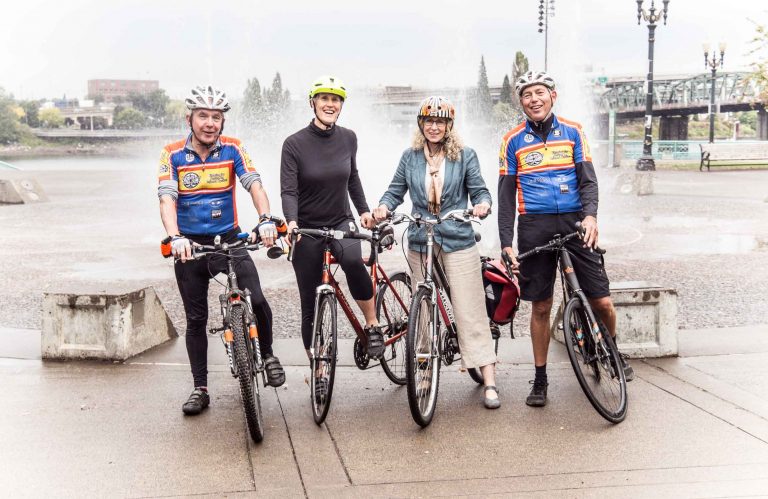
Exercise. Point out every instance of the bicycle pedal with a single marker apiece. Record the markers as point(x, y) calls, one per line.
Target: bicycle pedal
point(216, 330)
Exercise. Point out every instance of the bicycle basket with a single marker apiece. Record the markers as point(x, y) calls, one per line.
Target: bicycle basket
point(502, 292)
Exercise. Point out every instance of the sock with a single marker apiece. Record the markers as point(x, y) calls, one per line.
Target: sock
point(203, 388)
point(541, 374)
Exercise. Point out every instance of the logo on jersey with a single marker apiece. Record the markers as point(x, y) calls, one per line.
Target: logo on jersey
point(189, 157)
point(215, 155)
point(528, 138)
point(163, 168)
point(190, 180)
point(215, 214)
point(557, 133)
point(534, 158)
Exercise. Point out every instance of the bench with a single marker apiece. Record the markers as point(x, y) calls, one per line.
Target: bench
point(748, 153)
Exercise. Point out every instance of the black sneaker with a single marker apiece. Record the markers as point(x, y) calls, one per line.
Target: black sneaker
point(196, 402)
point(275, 371)
point(375, 342)
point(538, 395)
point(629, 373)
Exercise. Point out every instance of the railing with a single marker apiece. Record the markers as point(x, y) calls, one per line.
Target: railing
point(664, 150)
point(108, 133)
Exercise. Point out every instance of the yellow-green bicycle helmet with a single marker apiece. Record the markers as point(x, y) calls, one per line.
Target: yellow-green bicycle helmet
point(328, 85)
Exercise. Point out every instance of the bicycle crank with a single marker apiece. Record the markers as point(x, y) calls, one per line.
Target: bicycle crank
point(360, 353)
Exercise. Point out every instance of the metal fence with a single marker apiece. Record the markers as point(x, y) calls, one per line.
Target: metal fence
point(669, 150)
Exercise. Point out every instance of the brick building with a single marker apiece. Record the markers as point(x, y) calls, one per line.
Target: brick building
point(118, 90)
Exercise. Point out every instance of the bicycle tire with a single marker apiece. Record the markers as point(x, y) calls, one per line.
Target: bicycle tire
point(596, 364)
point(249, 388)
point(393, 320)
point(475, 373)
point(422, 376)
point(324, 348)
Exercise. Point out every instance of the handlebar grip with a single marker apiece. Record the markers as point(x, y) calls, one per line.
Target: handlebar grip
point(165, 247)
point(293, 245)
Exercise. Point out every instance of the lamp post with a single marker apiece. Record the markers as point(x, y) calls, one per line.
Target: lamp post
point(546, 10)
point(652, 16)
point(713, 64)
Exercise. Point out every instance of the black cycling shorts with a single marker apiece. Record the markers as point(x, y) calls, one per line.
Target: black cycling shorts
point(538, 272)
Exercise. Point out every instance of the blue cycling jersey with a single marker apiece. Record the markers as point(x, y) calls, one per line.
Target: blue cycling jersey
point(546, 171)
point(204, 191)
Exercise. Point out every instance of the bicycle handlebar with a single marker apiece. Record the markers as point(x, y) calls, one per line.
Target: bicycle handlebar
point(465, 216)
point(555, 243)
point(329, 234)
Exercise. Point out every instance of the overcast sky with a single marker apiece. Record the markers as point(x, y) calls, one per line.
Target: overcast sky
point(51, 48)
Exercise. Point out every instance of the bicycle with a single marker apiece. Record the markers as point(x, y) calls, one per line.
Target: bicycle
point(239, 331)
point(392, 299)
point(594, 356)
point(428, 345)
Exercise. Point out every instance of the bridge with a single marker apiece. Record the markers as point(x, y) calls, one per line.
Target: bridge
point(676, 97)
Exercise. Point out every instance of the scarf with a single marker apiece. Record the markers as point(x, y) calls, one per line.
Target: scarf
point(435, 190)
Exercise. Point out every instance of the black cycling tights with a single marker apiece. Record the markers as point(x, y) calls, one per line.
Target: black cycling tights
point(193, 278)
point(308, 265)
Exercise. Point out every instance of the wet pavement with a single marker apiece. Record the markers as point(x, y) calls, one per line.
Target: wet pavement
point(697, 426)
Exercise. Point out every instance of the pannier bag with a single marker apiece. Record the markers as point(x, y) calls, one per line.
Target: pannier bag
point(502, 292)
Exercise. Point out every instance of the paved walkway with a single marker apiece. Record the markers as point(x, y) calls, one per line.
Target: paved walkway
point(697, 427)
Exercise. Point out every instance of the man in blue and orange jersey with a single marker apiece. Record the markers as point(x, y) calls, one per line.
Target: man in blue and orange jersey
point(197, 181)
point(546, 173)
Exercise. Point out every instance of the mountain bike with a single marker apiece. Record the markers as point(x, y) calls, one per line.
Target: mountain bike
point(432, 335)
point(591, 349)
point(239, 331)
point(393, 295)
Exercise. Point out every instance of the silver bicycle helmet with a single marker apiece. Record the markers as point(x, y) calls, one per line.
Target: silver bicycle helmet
point(207, 97)
point(534, 78)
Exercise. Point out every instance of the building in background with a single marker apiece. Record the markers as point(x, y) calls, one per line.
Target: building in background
point(118, 90)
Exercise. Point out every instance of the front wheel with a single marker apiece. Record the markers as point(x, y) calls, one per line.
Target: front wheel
point(595, 360)
point(323, 364)
point(422, 357)
point(392, 304)
point(249, 388)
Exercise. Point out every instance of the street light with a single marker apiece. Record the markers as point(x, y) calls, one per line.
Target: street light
point(546, 10)
point(713, 64)
point(646, 161)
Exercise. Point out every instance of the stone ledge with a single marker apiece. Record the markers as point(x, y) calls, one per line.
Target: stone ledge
point(103, 326)
point(646, 319)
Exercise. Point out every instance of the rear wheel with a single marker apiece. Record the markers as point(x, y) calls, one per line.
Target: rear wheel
point(596, 363)
point(392, 314)
point(323, 364)
point(423, 358)
point(249, 388)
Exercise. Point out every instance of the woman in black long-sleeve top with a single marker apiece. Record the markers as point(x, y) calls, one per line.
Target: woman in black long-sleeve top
point(318, 175)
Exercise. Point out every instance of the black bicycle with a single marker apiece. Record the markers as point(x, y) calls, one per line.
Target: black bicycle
point(239, 331)
point(591, 349)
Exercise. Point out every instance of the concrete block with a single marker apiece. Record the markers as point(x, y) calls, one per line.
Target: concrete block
point(634, 182)
point(646, 319)
point(103, 326)
point(16, 189)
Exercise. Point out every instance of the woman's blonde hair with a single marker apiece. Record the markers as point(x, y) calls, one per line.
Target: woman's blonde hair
point(452, 144)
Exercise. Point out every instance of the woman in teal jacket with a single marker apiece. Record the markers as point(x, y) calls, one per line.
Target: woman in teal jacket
point(441, 175)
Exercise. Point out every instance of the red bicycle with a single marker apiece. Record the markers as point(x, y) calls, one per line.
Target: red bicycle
point(393, 297)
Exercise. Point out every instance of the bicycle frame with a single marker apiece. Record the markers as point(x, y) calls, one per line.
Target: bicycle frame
point(331, 285)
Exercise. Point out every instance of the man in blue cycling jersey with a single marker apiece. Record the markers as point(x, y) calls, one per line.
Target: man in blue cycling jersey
point(197, 203)
point(546, 174)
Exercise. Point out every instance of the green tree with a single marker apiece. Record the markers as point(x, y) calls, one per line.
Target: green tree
point(9, 122)
point(129, 119)
point(485, 102)
point(31, 113)
point(520, 67)
point(253, 103)
point(152, 105)
point(51, 117)
point(276, 104)
point(760, 66)
point(506, 91)
point(176, 114)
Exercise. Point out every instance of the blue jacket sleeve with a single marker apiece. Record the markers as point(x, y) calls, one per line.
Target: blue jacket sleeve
point(478, 192)
point(395, 193)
